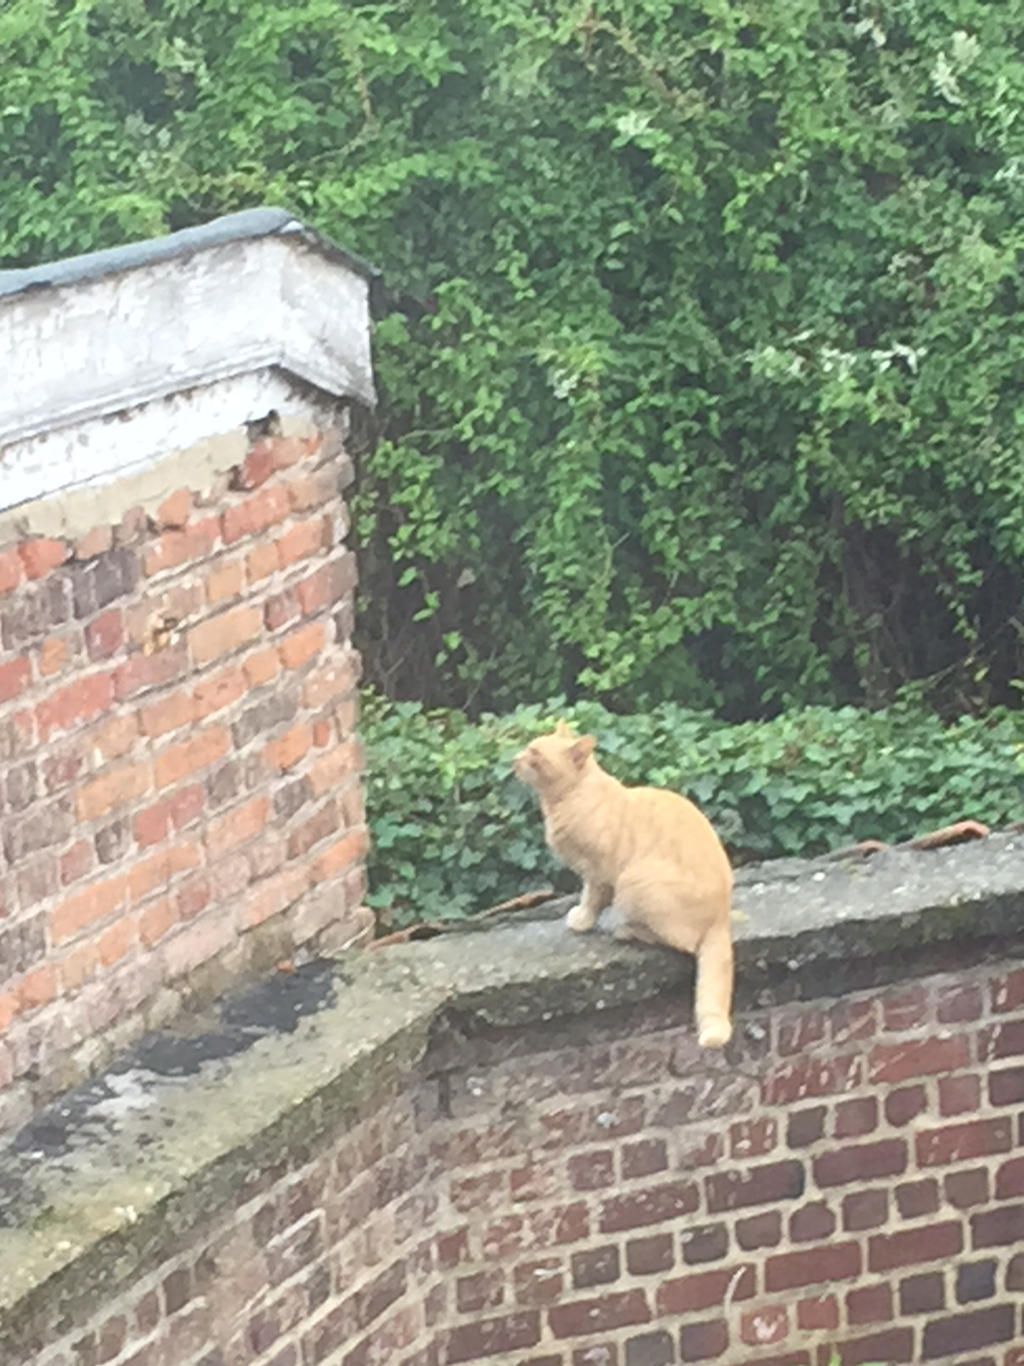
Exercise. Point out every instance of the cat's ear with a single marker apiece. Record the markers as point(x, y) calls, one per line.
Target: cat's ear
point(582, 749)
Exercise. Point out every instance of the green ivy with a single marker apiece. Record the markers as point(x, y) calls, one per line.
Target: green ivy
point(703, 350)
point(452, 831)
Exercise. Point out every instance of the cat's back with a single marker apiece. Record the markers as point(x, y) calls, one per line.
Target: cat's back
point(668, 824)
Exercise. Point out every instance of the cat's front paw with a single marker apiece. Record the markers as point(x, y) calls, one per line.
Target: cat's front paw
point(714, 1033)
point(580, 919)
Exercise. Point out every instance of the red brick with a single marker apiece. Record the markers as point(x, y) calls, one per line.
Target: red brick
point(488, 1339)
point(909, 1246)
point(1010, 1179)
point(158, 870)
point(958, 1004)
point(812, 1223)
point(255, 514)
point(646, 1157)
point(302, 645)
point(332, 681)
point(105, 636)
point(766, 1326)
point(191, 756)
point(239, 824)
point(893, 1346)
point(650, 1256)
point(702, 1341)
point(327, 774)
point(1002, 1041)
point(321, 589)
point(341, 855)
point(76, 862)
point(322, 733)
point(77, 967)
point(290, 450)
point(945, 1338)
point(998, 1227)
point(915, 1199)
point(261, 562)
point(753, 1137)
point(214, 694)
point(155, 921)
point(760, 1230)
point(257, 467)
point(959, 1095)
point(280, 610)
point(1006, 1086)
point(542, 1281)
point(923, 1293)
point(192, 897)
point(817, 1315)
point(761, 1185)
point(812, 1266)
point(483, 1290)
point(905, 1007)
point(117, 941)
point(653, 1205)
point(964, 1142)
point(174, 511)
point(599, 1315)
point(304, 539)
point(706, 1289)
point(893, 1063)
point(906, 1104)
point(114, 788)
point(805, 1127)
point(861, 1162)
point(869, 1304)
point(261, 667)
point(856, 1117)
point(812, 1076)
point(175, 548)
point(12, 571)
point(113, 739)
point(965, 1189)
point(14, 678)
point(222, 634)
point(52, 656)
point(95, 542)
point(167, 714)
point(1008, 991)
point(142, 672)
point(38, 987)
point(798, 1033)
point(81, 700)
point(276, 894)
point(39, 557)
point(224, 581)
point(86, 908)
point(290, 749)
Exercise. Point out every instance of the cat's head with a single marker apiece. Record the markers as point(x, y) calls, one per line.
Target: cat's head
point(553, 764)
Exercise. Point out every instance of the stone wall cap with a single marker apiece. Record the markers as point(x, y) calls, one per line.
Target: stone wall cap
point(245, 225)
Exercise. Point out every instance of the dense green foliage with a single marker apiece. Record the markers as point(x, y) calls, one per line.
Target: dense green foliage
point(453, 830)
point(703, 369)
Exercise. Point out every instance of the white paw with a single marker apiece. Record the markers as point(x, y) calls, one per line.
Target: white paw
point(715, 1034)
point(579, 919)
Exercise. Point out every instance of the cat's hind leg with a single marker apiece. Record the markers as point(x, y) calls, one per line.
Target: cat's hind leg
point(593, 899)
point(713, 1007)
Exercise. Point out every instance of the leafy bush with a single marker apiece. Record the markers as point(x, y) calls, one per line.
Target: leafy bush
point(706, 316)
point(453, 831)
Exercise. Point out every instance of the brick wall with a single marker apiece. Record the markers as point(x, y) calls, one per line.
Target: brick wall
point(599, 1193)
point(179, 790)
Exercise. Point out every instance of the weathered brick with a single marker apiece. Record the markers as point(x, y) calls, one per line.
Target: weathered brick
point(922, 1294)
point(174, 511)
point(669, 1200)
point(141, 672)
point(904, 1007)
point(965, 1189)
point(958, 1003)
point(289, 749)
point(759, 1231)
point(35, 612)
point(263, 716)
point(596, 1266)
point(302, 645)
point(1006, 1086)
point(963, 1142)
point(167, 714)
point(1001, 1041)
point(105, 636)
point(967, 1332)
point(303, 540)
point(115, 787)
point(40, 827)
point(482, 1290)
point(191, 756)
point(759, 1185)
point(703, 1341)
point(998, 1227)
point(342, 762)
point(86, 907)
point(494, 1337)
point(753, 1137)
point(12, 571)
point(650, 1256)
point(853, 1118)
point(818, 1314)
point(281, 609)
point(541, 1281)
point(915, 1199)
point(706, 1289)
point(599, 1315)
point(174, 548)
point(340, 856)
point(255, 514)
point(225, 580)
point(869, 1304)
point(861, 1162)
point(80, 701)
point(811, 1076)
point(892, 1063)
point(646, 1157)
point(237, 826)
point(905, 1105)
point(812, 1266)
point(97, 583)
point(224, 633)
point(650, 1349)
point(805, 1127)
point(39, 556)
point(959, 1095)
point(812, 1223)
point(887, 1251)
point(257, 466)
point(14, 678)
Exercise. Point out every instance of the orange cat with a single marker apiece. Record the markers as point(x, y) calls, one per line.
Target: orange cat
point(648, 851)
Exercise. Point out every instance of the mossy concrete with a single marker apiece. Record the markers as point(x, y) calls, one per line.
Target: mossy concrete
point(113, 1175)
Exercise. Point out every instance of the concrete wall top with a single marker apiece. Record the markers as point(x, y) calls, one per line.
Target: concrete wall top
point(117, 358)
